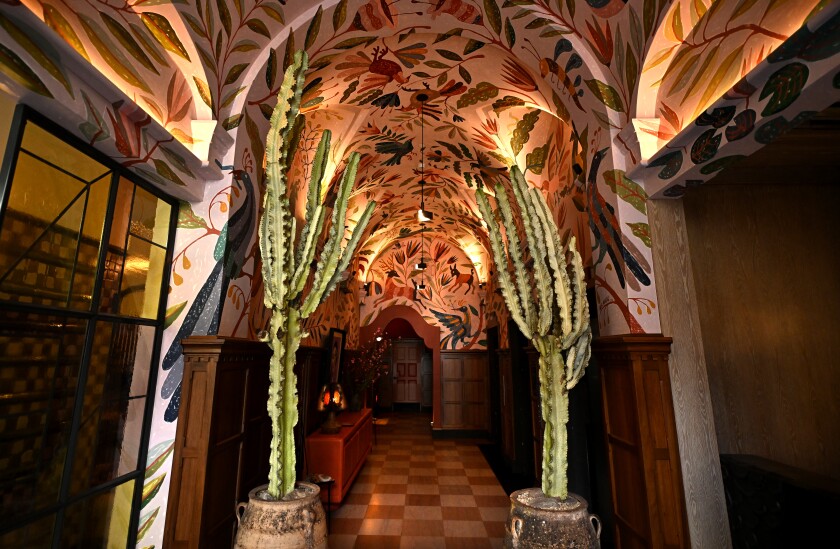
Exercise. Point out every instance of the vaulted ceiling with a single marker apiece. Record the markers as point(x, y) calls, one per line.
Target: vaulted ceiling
point(544, 84)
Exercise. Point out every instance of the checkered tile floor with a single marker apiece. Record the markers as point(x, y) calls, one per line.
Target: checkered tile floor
point(418, 493)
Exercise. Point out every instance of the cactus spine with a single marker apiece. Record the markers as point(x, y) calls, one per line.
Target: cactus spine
point(548, 304)
point(286, 263)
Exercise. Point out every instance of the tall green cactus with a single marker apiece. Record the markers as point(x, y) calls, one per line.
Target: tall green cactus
point(548, 304)
point(286, 263)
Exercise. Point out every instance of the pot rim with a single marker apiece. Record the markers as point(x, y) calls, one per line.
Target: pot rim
point(536, 500)
point(313, 491)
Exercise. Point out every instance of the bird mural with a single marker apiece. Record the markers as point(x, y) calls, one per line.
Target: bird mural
point(397, 149)
point(607, 232)
point(459, 328)
point(205, 312)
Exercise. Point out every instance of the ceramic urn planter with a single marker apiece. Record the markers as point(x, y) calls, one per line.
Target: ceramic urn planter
point(540, 522)
point(297, 522)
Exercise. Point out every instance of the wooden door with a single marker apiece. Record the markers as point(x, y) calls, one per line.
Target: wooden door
point(406, 371)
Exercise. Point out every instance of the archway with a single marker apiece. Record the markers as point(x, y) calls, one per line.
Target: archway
point(429, 334)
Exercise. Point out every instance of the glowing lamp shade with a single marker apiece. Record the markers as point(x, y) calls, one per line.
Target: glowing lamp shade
point(424, 215)
point(331, 400)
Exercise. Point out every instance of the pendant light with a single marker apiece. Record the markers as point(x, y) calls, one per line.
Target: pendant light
point(423, 215)
point(422, 265)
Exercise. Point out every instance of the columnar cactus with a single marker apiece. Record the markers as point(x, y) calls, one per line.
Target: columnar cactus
point(548, 304)
point(286, 263)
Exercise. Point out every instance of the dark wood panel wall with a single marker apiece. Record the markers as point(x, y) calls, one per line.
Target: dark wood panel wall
point(223, 433)
point(766, 273)
point(645, 475)
point(465, 390)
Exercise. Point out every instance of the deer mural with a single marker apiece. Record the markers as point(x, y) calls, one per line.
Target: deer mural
point(392, 291)
point(460, 279)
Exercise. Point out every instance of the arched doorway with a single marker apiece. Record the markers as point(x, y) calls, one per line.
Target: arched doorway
point(429, 334)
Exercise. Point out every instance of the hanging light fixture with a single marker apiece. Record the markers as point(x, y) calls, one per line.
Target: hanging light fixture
point(422, 265)
point(423, 215)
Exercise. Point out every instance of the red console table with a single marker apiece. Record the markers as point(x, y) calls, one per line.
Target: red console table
point(341, 455)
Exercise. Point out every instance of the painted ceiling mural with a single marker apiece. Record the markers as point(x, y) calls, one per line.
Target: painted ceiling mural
point(604, 103)
point(452, 299)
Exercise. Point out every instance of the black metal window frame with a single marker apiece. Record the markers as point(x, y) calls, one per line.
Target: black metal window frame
point(26, 115)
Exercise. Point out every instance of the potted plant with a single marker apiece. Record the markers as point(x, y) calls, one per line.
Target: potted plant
point(365, 368)
point(546, 297)
point(284, 513)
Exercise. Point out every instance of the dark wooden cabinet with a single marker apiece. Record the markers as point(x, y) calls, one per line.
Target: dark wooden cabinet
point(223, 434)
point(465, 390)
point(644, 461)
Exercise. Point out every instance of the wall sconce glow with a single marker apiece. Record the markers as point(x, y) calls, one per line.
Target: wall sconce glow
point(202, 134)
point(378, 338)
point(648, 140)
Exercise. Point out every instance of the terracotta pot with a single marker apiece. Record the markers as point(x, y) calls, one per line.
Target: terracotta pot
point(298, 522)
point(540, 522)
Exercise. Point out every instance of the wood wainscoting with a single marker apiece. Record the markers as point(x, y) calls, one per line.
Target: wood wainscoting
point(644, 459)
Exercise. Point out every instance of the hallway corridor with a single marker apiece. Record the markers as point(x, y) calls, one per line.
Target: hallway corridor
point(418, 493)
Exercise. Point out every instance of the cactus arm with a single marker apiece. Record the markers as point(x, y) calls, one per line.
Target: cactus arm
point(521, 279)
point(312, 224)
point(332, 249)
point(537, 248)
point(580, 311)
point(578, 358)
point(500, 259)
point(562, 289)
point(348, 251)
point(555, 411)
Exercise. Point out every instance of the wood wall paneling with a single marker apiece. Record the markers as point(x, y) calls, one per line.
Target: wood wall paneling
point(690, 385)
point(465, 390)
point(769, 300)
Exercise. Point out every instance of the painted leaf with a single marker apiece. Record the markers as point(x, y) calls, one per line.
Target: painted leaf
point(483, 91)
point(112, 55)
point(163, 32)
point(700, 75)
point(203, 91)
point(451, 55)
point(769, 131)
point(494, 16)
point(231, 95)
point(626, 189)
point(522, 132)
point(720, 163)
point(631, 69)
point(744, 122)
point(718, 118)
point(606, 94)
point(722, 74)
point(271, 69)
point(146, 522)
point(339, 15)
point(57, 22)
point(129, 43)
point(535, 160)
point(510, 34)
point(705, 147)
point(353, 42)
point(507, 102)
point(22, 35)
point(464, 73)
point(670, 163)
point(161, 451)
point(641, 231)
point(94, 127)
point(473, 45)
point(784, 87)
point(232, 122)
point(177, 160)
point(165, 171)
point(15, 68)
point(235, 72)
point(224, 16)
point(150, 489)
point(314, 29)
point(274, 12)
